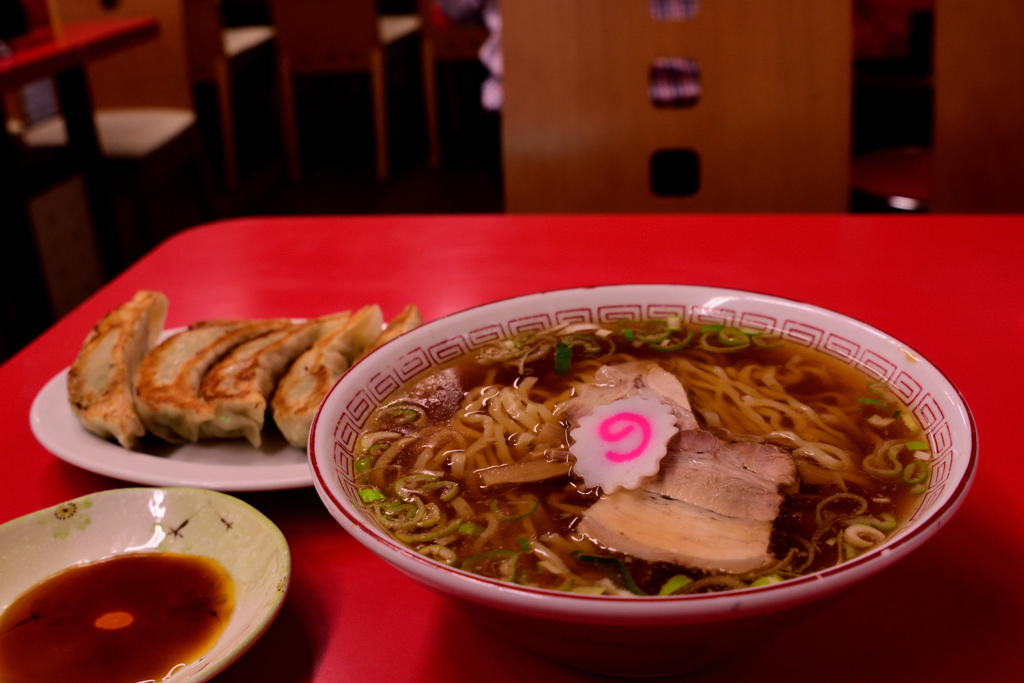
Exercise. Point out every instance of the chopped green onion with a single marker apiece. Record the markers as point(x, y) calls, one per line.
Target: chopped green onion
point(531, 506)
point(884, 521)
point(430, 535)
point(764, 341)
point(451, 489)
point(377, 448)
point(653, 337)
point(729, 339)
point(523, 337)
point(563, 359)
point(879, 421)
point(524, 544)
point(674, 584)
point(872, 401)
point(590, 345)
point(588, 590)
point(627, 334)
point(440, 553)
point(766, 580)
point(674, 323)
point(405, 414)
point(627, 578)
point(917, 446)
point(471, 529)
point(916, 473)
point(731, 336)
point(908, 419)
point(363, 464)
point(711, 328)
point(502, 563)
point(370, 495)
point(876, 388)
point(885, 465)
point(670, 344)
point(896, 414)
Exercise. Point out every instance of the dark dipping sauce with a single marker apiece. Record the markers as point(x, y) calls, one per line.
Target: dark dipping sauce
point(122, 620)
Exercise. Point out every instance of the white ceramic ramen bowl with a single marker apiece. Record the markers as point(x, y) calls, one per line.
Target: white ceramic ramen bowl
point(643, 635)
point(157, 520)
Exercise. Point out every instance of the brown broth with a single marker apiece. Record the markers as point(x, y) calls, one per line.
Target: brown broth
point(122, 620)
point(796, 519)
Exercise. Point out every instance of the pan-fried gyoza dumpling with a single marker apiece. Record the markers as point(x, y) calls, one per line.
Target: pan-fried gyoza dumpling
point(399, 325)
point(167, 387)
point(240, 383)
point(307, 381)
point(101, 381)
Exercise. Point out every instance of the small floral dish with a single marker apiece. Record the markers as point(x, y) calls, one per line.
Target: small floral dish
point(375, 422)
point(200, 525)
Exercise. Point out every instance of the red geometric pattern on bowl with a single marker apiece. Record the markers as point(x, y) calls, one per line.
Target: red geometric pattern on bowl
point(927, 412)
point(706, 315)
point(874, 364)
point(413, 363)
point(574, 315)
point(666, 311)
point(906, 387)
point(381, 386)
point(840, 347)
point(447, 350)
point(758, 321)
point(801, 333)
point(533, 323)
point(486, 334)
point(940, 439)
point(610, 314)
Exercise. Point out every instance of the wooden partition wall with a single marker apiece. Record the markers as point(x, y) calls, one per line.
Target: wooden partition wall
point(771, 129)
point(978, 153)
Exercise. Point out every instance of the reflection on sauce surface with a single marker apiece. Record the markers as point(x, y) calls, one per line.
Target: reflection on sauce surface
point(127, 619)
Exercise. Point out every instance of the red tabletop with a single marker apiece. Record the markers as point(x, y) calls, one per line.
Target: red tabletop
point(949, 286)
point(78, 43)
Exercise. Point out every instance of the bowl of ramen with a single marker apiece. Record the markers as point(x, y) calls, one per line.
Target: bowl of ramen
point(642, 479)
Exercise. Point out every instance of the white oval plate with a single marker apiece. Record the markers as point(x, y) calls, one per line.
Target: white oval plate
point(121, 521)
point(219, 464)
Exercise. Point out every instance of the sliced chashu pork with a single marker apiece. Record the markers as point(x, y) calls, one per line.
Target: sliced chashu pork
point(167, 389)
point(643, 378)
point(739, 479)
point(712, 504)
point(101, 381)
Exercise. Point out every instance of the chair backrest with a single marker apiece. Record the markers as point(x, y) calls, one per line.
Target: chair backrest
point(153, 74)
point(978, 149)
point(762, 122)
point(325, 37)
point(452, 42)
point(203, 37)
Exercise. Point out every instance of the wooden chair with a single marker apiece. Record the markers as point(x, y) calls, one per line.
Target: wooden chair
point(145, 120)
point(443, 43)
point(770, 130)
point(216, 53)
point(316, 38)
point(978, 151)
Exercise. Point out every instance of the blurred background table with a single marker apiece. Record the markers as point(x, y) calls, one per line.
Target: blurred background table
point(64, 57)
point(946, 285)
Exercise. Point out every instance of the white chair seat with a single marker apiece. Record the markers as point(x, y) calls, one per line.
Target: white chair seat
point(241, 39)
point(123, 133)
point(394, 27)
